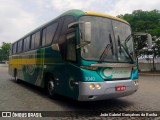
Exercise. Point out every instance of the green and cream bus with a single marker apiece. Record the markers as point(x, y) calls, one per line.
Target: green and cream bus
point(85, 56)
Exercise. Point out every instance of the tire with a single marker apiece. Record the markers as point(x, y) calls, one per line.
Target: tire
point(50, 87)
point(15, 77)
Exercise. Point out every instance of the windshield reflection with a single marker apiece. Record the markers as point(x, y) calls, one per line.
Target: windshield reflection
point(104, 40)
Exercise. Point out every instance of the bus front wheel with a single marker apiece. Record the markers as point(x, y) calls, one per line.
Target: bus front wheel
point(50, 87)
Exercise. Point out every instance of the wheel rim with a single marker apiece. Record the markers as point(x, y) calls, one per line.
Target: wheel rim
point(50, 87)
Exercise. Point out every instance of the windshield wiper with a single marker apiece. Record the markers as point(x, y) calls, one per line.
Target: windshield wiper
point(106, 49)
point(128, 38)
point(120, 45)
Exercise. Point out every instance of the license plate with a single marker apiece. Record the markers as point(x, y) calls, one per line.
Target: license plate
point(120, 88)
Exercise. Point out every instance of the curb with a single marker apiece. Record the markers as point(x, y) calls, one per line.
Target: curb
point(149, 74)
point(3, 65)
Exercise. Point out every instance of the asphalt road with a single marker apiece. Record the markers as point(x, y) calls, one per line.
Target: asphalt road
point(25, 97)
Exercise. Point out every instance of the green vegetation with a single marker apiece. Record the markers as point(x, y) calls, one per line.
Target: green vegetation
point(4, 51)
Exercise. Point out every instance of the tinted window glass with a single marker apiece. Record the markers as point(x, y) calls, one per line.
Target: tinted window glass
point(102, 40)
point(20, 46)
point(32, 41)
point(48, 34)
point(67, 21)
point(71, 46)
point(62, 39)
point(44, 37)
point(59, 29)
point(14, 48)
point(35, 40)
point(26, 44)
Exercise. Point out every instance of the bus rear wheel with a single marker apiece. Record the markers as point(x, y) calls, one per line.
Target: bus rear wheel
point(50, 87)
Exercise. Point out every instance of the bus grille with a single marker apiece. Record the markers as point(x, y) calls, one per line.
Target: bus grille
point(114, 79)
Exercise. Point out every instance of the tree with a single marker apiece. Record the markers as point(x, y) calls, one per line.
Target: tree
point(140, 21)
point(156, 49)
point(149, 22)
point(1, 58)
point(4, 51)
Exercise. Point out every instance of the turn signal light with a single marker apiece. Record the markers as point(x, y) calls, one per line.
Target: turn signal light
point(98, 86)
point(93, 86)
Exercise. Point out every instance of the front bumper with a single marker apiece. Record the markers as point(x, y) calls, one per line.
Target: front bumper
point(107, 90)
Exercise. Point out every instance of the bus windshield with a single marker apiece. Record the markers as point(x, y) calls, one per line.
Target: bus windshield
point(111, 40)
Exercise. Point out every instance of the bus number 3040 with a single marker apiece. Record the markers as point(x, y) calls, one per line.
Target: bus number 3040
point(90, 78)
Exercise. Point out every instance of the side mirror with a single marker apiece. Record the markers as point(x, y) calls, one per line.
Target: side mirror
point(149, 39)
point(86, 27)
point(75, 24)
point(87, 32)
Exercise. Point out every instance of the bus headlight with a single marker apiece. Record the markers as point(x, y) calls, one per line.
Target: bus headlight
point(92, 86)
point(98, 86)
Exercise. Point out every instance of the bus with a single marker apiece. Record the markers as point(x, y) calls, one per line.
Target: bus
point(86, 56)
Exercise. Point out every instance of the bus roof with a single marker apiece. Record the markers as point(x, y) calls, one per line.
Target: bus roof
point(80, 13)
point(105, 15)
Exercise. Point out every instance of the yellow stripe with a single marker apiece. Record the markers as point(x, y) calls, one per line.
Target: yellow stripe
point(33, 60)
point(105, 15)
point(25, 61)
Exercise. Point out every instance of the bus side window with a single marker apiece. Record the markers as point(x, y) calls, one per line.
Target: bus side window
point(43, 37)
point(59, 29)
point(32, 41)
point(62, 38)
point(19, 46)
point(26, 44)
point(11, 49)
point(35, 40)
point(48, 34)
point(14, 48)
point(71, 46)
